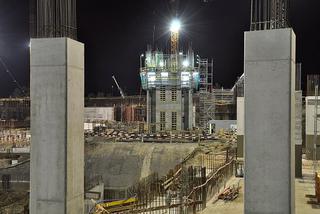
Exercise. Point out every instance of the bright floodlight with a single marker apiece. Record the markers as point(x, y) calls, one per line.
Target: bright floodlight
point(185, 63)
point(175, 26)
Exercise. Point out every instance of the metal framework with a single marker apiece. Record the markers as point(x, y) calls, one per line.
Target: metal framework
point(168, 70)
point(174, 50)
point(269, 14)
point(53, 18)
point(174, 42)
point(206, 96)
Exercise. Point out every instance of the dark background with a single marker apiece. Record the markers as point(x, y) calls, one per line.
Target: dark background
point(115, 33)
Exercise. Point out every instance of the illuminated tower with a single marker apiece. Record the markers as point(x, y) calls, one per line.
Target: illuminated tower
point(169, 80)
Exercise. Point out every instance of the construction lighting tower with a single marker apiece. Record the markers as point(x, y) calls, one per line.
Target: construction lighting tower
point(174, 29)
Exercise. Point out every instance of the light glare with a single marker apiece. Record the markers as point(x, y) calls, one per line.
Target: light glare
point(185, 63)
point(175, 26)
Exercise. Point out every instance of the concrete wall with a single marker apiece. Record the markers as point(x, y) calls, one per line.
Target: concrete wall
point(123, 164)
point(19, 176)
point(57, 147)
point(98, 113)
point(310, 112)
point(269, 121)
point(183, 106)
point(298, 134)
point(222, 124)
point(169, 106)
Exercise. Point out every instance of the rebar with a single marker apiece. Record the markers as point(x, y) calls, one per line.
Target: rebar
point(269, 14)
point(53, 18)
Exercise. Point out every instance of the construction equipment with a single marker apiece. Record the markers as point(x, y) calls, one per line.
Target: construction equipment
point(119, 88)
point(121, 93)
point(230, 193)
point(117, 206)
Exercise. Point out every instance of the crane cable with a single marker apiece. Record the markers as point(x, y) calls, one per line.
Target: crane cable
point(12, 76)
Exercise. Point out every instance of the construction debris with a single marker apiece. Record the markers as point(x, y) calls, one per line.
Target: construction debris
point(230, 193)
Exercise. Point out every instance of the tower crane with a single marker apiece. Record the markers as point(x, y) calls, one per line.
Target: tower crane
point(119, 88)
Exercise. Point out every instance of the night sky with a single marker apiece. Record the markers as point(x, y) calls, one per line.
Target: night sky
point(115, 33)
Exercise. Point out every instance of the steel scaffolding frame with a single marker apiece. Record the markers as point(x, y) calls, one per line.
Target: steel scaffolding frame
point(206, 97)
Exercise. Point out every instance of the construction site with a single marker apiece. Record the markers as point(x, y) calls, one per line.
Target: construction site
point(181, 145)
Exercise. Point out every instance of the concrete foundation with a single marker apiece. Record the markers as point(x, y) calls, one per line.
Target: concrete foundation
point(269, 121)
point(57, 144)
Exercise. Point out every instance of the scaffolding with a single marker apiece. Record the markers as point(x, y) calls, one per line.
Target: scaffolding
point(206, 96)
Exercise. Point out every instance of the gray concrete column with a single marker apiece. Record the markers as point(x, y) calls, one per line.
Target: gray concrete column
point(57, 144)
point(298, 135)
point(269, 121)
point(240, 126)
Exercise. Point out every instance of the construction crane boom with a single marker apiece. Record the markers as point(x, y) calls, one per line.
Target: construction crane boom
point(119, 88)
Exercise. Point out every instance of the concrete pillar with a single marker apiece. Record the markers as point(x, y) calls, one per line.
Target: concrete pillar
point(298, 135)
point(57, 144)
point(240, 126)
point(269, 121)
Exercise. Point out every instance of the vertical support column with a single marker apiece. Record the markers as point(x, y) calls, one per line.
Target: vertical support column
point(57, 144)
point(240, 126)
point(269, 121)
point(298, 135)
point(187, 109)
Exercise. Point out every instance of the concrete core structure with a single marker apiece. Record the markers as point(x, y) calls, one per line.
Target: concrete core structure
point(269, 121)
point(169, 80)
point(310, 126)
point(57, 147)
